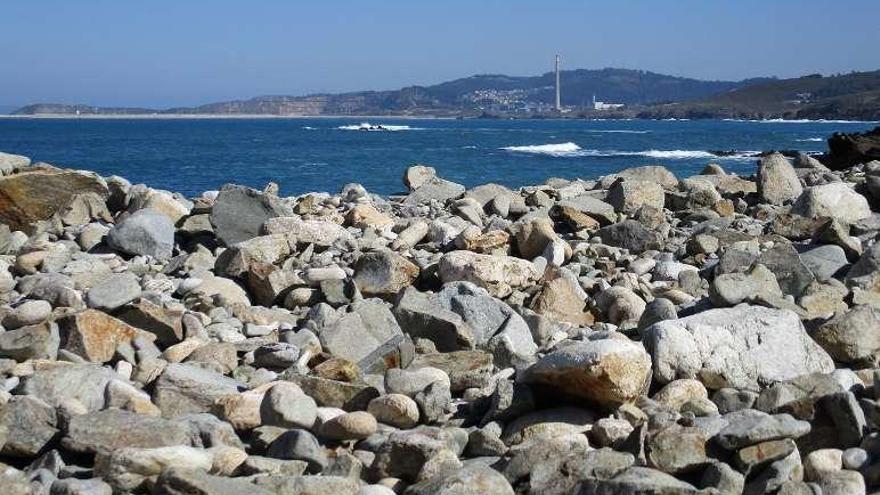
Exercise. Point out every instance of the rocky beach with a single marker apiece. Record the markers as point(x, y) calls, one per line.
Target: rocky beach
point(636, 333)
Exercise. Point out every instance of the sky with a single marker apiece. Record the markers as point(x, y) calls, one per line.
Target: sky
point(162, 53)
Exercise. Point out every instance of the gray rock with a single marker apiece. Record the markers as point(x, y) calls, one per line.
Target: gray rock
point(760, 346)
point(630, 235)
point(659, 309)
point(404, 453)
point(677, 449)
point(276, 355)
point(240, 211)
point(473, 479)
point(287, 406)
point(185, 388)
point(113, 428)
point(146, 232)
point(74, 486)
point(9, 163)
point(628, 195)
point(83, 383)
point(38, 341)
point(416, 175)
point(383, 273)
point(299, 445)
point(180, 481)
point(434, 189)
point(730, 289)
point(835, 200)
point(777, 180)
point(27, 425)
point(368, 335)
point(637, 480)
point(825, 261)
point(27, 313)
point(852, 337)
point(113, 292)
point(785, 263)
point(750, 427)
point(593, 207)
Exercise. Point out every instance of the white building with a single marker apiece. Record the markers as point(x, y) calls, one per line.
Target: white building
point(601, 105)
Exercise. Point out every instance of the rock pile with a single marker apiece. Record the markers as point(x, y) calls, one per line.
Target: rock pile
point(630, 334)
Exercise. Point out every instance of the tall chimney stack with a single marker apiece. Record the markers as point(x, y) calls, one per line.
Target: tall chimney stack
point(558, 94)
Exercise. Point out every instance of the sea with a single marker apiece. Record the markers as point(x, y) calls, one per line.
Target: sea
point(191, 156)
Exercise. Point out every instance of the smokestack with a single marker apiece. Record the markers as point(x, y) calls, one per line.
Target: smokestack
point(558, 94)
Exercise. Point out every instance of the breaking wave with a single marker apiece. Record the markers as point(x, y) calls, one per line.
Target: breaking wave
point(803, 121)
point(617, 131)
point(810, 140)
point(570, 150)
point(366, 126)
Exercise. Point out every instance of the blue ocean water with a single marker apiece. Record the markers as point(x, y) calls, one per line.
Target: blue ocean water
point(322, 154)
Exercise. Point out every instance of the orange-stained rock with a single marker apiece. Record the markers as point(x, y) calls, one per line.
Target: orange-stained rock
point(94, 335)
point(34, 196)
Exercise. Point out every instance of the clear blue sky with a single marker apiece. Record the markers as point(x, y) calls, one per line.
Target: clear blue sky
point(184, 52)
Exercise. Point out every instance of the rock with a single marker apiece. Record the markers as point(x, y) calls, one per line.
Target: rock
point(791, 273)
point(10, 163)
point(629, 195)
point(246, 255)
point(165, 323)
point(607, 372)
point(777, 180)
point(38, 195)
point(114, 291)
point(185, 388)
point(677, 393)
point(760, 346)
point(750, 427)
point(848, 149)
point(630, 235)
point(74, 486)
point(730, 289)
point(473, 479)
point(637, 480)
point(27, 425)
point(864, 277)
point(853, 336)
point(95, 335)
point(365, 216)
point(369, 336)
point(417, 175)
point(533, 235)
point(112, 429)
point(842, 483)
point(38, 341)
point(659, 309)
point(219, 287)
point(497, 274)
point(404, 453)
point(821, 463)
point(396, 410)
point(434, 189)
point(383, 273)
point(620, 305)
point(128, 468)
point(677, 449)
point(355, 425)
point(835, 200)
point(299, 445)
point(146, 232)
point(299, 232)
point(177, 480)
point(594, 208)
point(286, 405)
point(562, 299)
point(650, 173)
point(240, 211)
point(82, 383)
point(27, 313)
point(824, 261)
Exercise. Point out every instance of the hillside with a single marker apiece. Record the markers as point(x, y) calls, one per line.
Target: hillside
point(471, 95)
point(850, 96)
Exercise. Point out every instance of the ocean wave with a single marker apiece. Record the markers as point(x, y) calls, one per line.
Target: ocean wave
point(811, 140)
point(617, 131)
point(366, 126)
point(803, 121)
point(558, 149)
point(571, 150)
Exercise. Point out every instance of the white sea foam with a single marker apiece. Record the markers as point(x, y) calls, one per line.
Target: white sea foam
point(810, 140)
point(570, 150)
point(617, 131)
point(803, 121)
point(558, 149)
point(366, 126)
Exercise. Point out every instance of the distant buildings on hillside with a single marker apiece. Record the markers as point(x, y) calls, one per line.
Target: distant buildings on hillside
point(601, 105)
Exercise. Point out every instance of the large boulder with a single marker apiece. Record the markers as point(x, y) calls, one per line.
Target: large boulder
point(608, 372)
point(10, 163)
point(434, 189)
point(657, 174)
point(303, 232)
point(745, 347)
point(146, 232)
point(777, 180)
point(497, 274)
point(835, 200)
point(631, 235)
point(368, 335)
point(846, 150)
point(628, 195)
point(34, 196)
point(240, 211)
